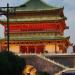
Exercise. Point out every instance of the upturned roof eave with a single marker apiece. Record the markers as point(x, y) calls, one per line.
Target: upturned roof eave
point(42, 39)
point(3, 21)
point(39, 10)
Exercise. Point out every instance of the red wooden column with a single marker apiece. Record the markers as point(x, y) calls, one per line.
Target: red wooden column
point(35, 48)
point(40, 49)
point(31, 49)
point(23, 49)
point(63, 48)
point(27, 49)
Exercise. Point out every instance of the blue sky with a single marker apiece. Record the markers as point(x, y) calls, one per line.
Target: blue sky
point(69, 11)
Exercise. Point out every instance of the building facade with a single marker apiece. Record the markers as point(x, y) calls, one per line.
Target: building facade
point(37, 28)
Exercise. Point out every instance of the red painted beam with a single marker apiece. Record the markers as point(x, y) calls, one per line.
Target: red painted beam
point(19, 27)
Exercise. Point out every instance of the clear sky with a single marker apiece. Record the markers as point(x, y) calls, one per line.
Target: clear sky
point(69, 11)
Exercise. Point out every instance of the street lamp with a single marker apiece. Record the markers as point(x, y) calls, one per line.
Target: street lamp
point(7, 13)
point(8, 26)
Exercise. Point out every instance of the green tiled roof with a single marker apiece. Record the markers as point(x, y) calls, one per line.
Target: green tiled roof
point(34, 5)
point(38, 38)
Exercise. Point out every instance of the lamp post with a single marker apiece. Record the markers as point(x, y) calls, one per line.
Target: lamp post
point(8, 27)
point(7, 13)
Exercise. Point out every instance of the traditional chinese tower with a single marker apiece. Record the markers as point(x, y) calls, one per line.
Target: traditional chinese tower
point(36, 28)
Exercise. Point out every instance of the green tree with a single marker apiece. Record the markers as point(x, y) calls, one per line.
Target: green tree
point(11, 64)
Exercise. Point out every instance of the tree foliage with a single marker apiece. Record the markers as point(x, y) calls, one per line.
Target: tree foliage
point(42, 73)
point(11, 64)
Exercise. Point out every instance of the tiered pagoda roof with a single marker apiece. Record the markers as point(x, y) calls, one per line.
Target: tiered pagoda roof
point(35, 5)
point(36, 23)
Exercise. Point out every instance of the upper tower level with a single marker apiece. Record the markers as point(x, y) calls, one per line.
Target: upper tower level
point(36, 7)
point(39, 15)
